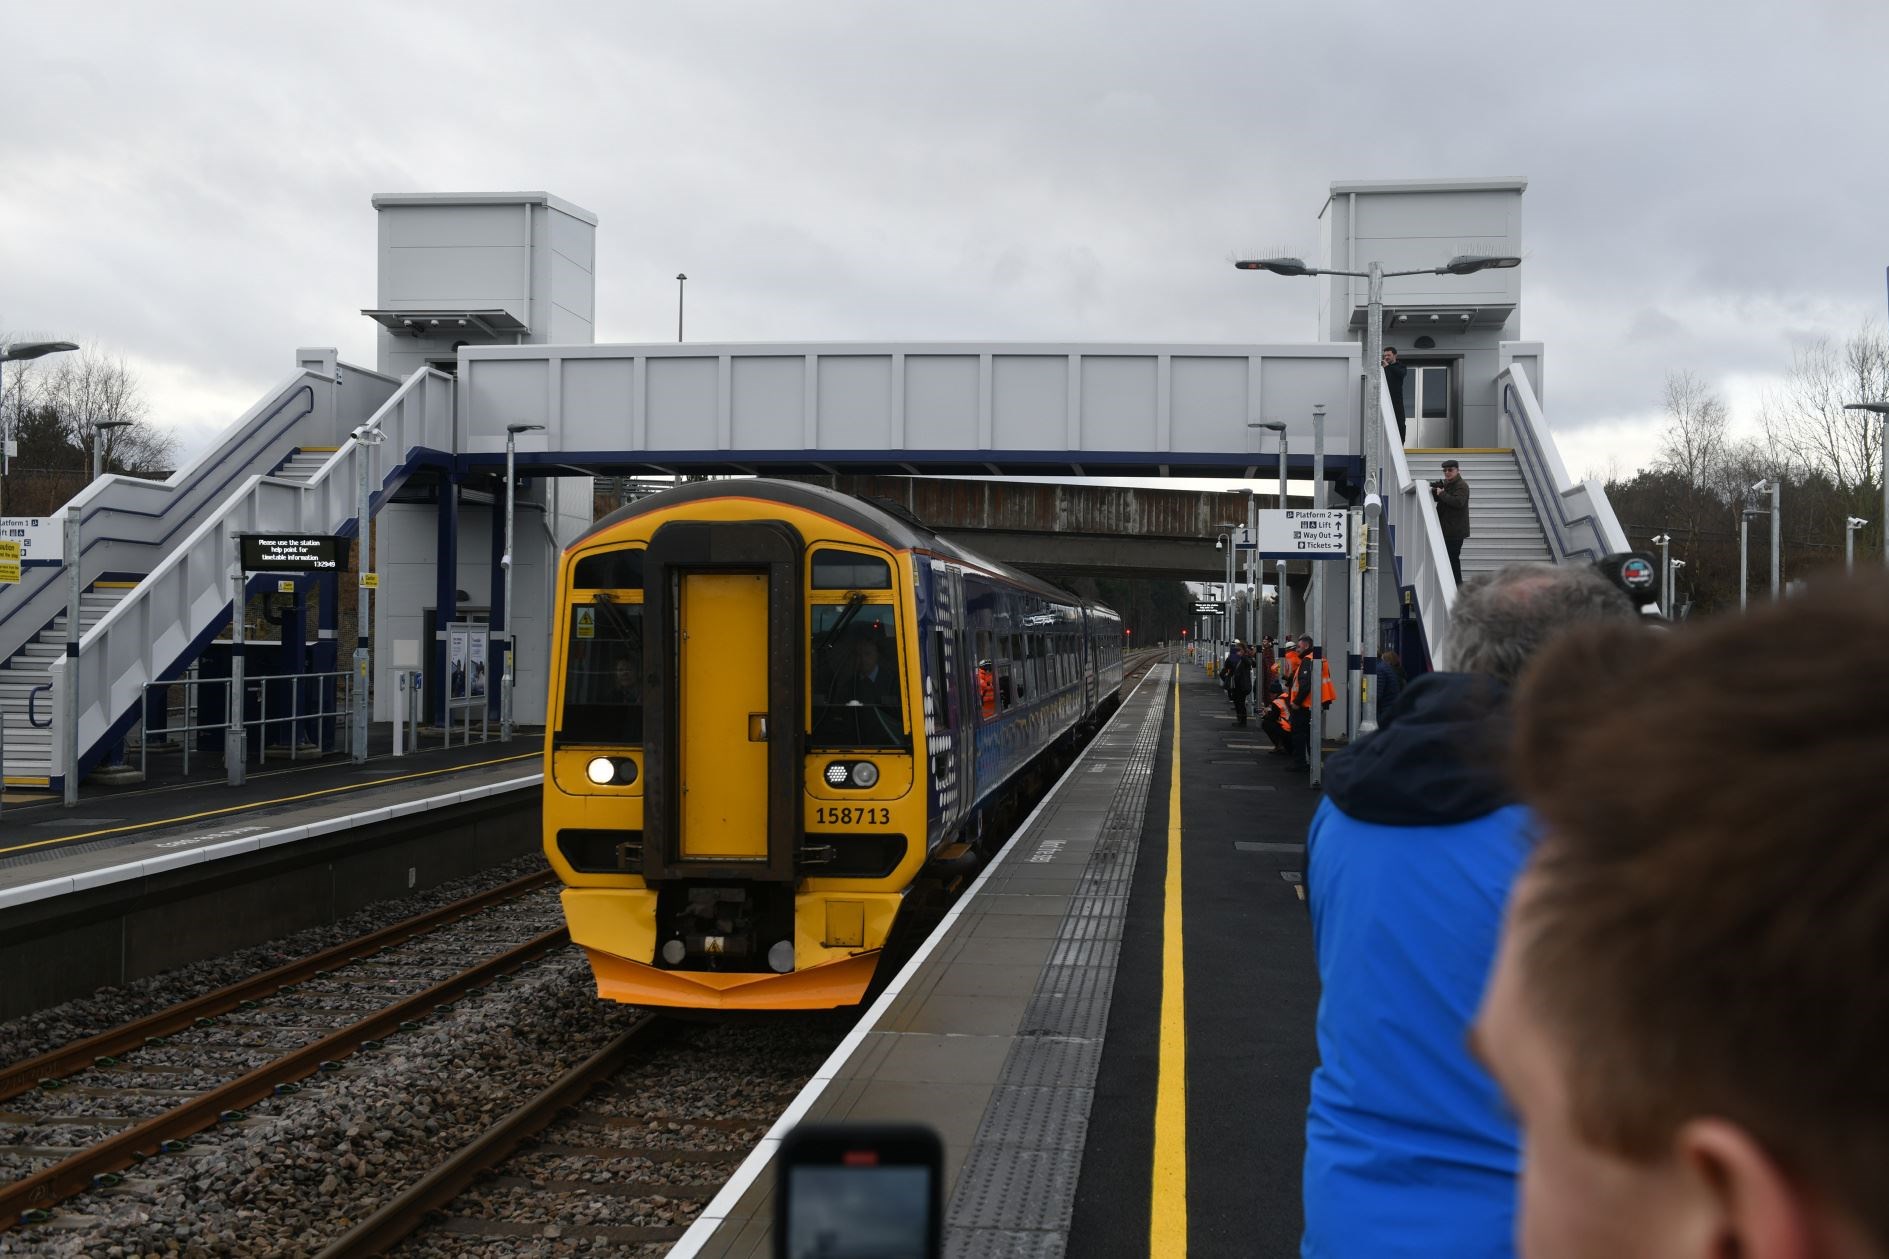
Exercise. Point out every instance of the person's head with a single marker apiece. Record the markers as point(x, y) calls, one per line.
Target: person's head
point(1305, 644)
point(1390, 354)
point(866, 654)
point(1450, 470)
point(623, 673)
point(1687, 1008)
point(1502, 619)
point(1390, 657)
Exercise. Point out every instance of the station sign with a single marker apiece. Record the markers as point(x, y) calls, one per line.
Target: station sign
point(1301, 534)
point(41, 539)
point(293, 552)
point(1209, 607)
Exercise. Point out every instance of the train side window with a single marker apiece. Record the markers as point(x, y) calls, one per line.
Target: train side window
point(942, 706)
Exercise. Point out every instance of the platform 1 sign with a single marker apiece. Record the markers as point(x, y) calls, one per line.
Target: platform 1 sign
point(41, 538)
point(293, 552)
point(1298, 534)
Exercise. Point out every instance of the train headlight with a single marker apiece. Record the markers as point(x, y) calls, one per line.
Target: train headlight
point(608, 771)
point(863, 774)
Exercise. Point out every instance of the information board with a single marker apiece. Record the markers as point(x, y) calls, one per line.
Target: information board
point(293, 552)
point(1298, 534)
point(1207, 607)
point(9, 562)
point(42, 539)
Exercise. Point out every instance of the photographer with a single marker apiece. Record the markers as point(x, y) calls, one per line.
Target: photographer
point(1452, 512)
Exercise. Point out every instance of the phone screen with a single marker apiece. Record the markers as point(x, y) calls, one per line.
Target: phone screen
point(858, 1193)
point(859, 1212)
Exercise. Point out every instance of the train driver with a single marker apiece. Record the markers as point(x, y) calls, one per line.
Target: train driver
point(870, 682)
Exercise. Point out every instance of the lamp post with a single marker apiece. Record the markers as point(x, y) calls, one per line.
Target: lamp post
point(365, 439)
point(1224, 541)
point(681, 280)
point(1673, 587)
point(19, 351)
point(1776, 486)
point(1279, 588)
point(1664, 543)
point(1850, 526)
point(1881, 411)
point(1744, 553)
point(1374, 275)
point(98, 443)
point(505, 561)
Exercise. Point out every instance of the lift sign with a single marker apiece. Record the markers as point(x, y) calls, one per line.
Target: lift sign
point(293, 553)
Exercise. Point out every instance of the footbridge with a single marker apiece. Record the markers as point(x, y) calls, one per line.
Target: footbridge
point(140, 590)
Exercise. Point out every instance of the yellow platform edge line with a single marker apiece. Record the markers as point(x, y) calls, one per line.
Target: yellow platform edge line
point(1167, 1216)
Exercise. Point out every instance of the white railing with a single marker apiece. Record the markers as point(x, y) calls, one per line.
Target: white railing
point(158, 625)
point(1417, 536)
point(128, 524)
point(1576, 517)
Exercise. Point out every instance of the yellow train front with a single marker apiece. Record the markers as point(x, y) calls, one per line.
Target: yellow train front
point(772, 706)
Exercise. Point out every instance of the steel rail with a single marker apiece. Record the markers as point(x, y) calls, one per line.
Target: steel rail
point(81, 1054)
point(77, 1173)
point(407, 1211)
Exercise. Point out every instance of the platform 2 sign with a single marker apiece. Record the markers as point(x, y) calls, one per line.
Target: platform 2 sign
point(1297, 534)
point(293, 553)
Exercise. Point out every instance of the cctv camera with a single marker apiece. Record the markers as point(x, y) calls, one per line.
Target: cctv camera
point(1373, 508)
point(1218, 544)
point(359, 433)
point(505, 560)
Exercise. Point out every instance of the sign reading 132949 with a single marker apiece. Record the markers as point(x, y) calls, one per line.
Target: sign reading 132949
point(1322, 533)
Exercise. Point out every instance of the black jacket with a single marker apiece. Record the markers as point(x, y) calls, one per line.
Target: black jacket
point(1438, 760)
point(1452, 509)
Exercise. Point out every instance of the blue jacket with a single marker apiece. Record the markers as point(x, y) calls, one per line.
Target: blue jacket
point(1410, 1150)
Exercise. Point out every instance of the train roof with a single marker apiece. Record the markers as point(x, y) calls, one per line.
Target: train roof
point(904, 534)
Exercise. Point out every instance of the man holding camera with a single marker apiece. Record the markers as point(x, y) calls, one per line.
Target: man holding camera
point(1452, 512)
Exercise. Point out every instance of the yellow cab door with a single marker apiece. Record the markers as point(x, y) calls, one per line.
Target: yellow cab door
point(721, 744)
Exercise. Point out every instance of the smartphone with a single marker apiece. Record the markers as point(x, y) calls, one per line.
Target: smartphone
point(859, 1192)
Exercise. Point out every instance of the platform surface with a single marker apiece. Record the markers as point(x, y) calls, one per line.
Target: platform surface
point(1028, 1035)
point(45, 844)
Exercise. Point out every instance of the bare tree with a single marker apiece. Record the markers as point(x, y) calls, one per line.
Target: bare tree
point(1693, 444)
point(92, 387)
point(1805, 422)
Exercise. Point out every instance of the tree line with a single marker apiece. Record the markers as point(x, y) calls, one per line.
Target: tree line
point(1827, 459)
point(52, 407)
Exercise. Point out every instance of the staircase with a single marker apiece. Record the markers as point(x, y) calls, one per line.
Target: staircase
point(29, 746)
point(1503, 525)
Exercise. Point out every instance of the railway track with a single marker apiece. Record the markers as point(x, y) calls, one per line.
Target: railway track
point(75, 1118)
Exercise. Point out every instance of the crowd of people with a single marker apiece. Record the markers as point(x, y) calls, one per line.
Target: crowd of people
point(1281, 691)
point(1602, 936)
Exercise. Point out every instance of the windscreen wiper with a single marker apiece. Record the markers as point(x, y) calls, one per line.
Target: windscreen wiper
point(854, 602)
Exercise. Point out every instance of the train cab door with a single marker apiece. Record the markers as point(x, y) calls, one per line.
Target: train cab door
point(723, 647)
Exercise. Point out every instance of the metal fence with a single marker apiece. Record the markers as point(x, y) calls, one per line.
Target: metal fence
point(316, 716)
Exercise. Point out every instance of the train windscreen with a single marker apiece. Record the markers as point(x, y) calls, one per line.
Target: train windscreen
point(856, 690)
point(603, 693)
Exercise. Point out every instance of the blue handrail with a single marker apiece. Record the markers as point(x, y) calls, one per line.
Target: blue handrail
point(32, 707)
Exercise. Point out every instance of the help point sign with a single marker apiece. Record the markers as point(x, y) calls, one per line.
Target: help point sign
point(1296, 534)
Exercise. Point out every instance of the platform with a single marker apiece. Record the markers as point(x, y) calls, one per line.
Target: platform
point(1076, 986)
point(133, 882)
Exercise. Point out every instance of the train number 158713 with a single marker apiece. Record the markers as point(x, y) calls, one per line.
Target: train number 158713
point(852, 815)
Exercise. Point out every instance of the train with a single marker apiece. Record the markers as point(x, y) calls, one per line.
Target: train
point(776, 714)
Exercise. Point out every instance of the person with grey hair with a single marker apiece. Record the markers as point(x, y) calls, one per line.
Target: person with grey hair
point(1409, 1148)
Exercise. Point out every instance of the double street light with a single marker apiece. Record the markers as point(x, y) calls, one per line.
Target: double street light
point(19, 351)
point(1881, 411)
point(1375, 275)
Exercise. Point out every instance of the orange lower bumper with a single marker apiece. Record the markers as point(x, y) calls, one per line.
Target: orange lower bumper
point(819, 988)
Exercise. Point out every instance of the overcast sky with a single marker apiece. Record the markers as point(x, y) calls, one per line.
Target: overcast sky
point(188, 183)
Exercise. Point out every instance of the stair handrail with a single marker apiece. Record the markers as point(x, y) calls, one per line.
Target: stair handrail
point(1411, 512)
point(1576, 517)
point(32, 707)
point(130, 647)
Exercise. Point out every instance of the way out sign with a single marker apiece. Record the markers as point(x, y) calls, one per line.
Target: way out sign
point(1297, 534)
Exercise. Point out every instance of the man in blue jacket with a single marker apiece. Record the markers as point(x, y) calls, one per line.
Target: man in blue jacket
point(1409, 1149)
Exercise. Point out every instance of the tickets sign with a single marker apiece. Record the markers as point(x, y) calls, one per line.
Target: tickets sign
point(1298, 534)
point(293, 552)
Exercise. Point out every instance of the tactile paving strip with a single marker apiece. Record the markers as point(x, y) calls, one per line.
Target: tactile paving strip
point(1016, 1194)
